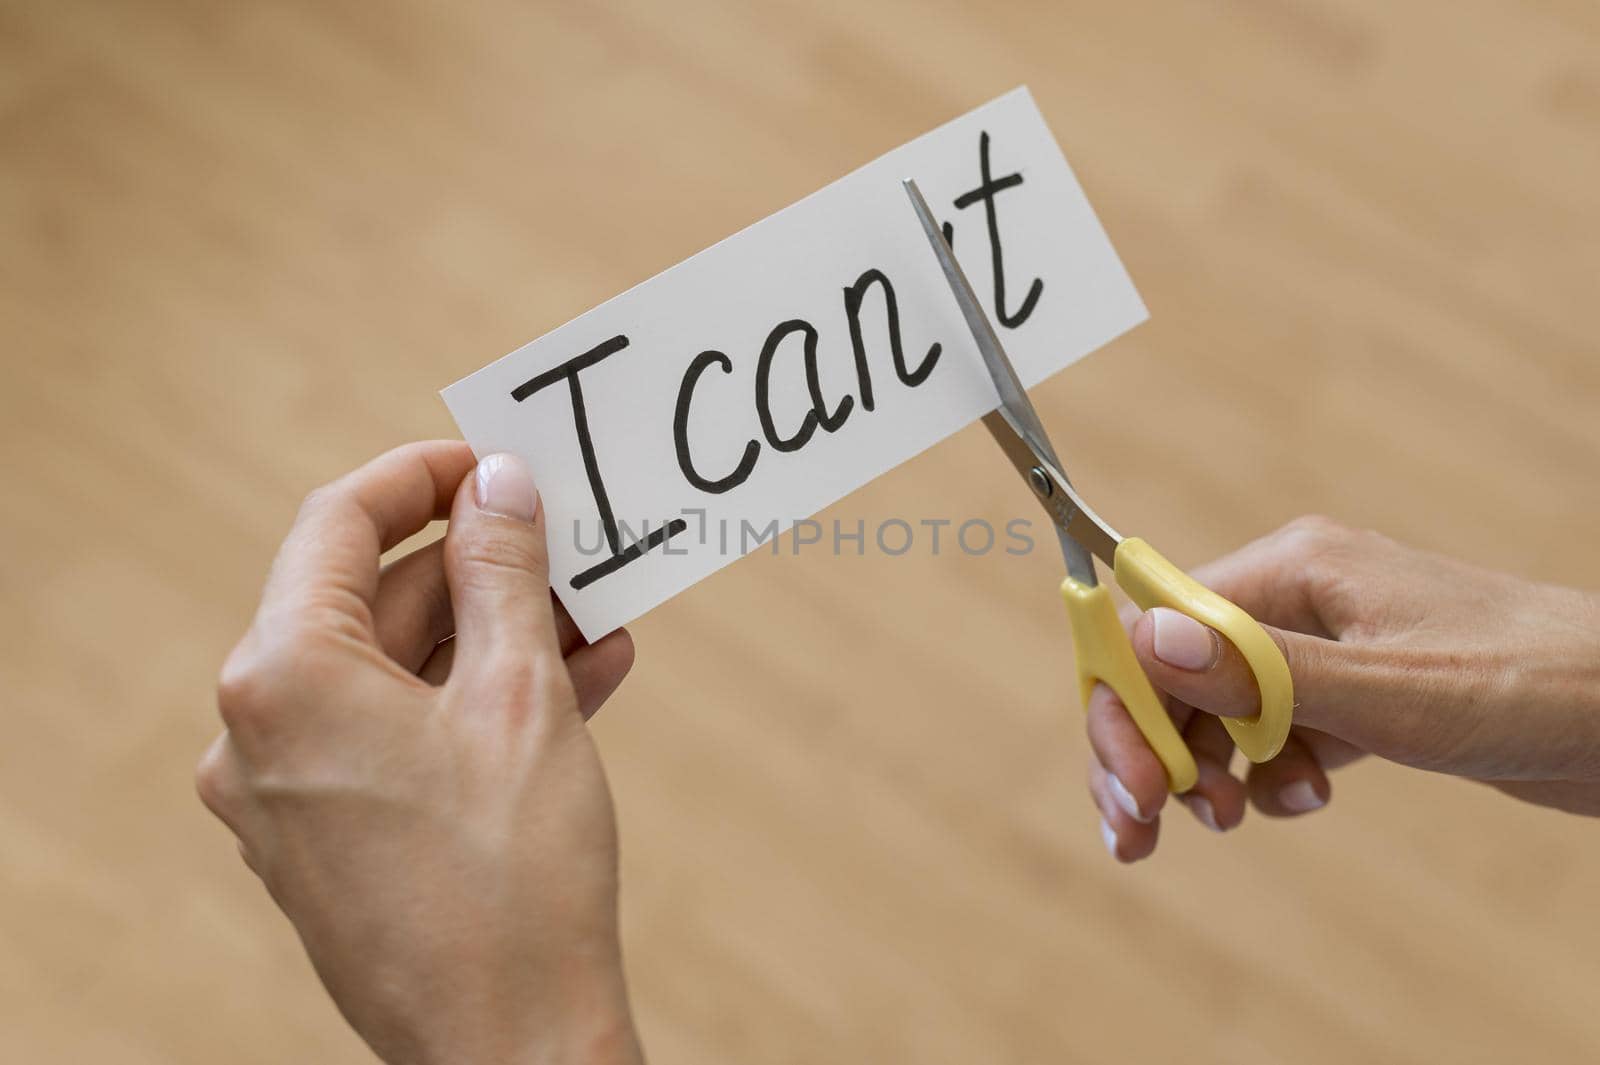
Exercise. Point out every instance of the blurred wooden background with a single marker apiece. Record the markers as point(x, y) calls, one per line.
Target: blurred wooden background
point(242, 245)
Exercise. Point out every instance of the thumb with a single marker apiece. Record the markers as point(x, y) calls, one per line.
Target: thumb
point(1196, 665)
point(498, 569)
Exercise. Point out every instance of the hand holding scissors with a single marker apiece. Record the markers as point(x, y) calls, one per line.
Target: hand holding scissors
point(1104, 653)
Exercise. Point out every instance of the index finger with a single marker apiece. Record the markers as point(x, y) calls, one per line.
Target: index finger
point(330, 556)
point(1276, 579)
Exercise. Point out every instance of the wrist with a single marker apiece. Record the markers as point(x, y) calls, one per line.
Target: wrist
point(572, 1019)
point(595, 1033)
point(612, 1040)
point(594, 1025)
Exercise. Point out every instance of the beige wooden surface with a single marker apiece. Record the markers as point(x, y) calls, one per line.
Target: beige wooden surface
point(241, 246)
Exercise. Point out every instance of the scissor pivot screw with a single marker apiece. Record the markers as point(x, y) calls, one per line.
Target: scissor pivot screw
point(1041, 482)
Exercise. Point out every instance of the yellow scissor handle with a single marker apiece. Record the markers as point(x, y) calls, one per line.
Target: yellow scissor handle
point(1105, 656)
point(1150, 581)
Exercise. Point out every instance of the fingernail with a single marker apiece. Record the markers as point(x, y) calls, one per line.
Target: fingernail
point(1125, 799)
point(1108, 836)
point(504, 486)
point(1181, 641)
point(1202, 809)
point(1300, 797)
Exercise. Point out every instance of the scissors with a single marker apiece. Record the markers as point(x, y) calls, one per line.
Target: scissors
point(1104, 653)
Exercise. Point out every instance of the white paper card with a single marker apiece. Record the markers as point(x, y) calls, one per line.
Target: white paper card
point(756, 382)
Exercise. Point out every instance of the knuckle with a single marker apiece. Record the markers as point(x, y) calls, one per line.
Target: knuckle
point(524, 679)
point(216, 781)
point(209, 785)
point(509, 664)
point(265, 675)
point(513, 673)
point(1314, 533)
point(316, 499)
point(243, 690)
point(495, 555)
point(1326, 552)
point(1312, 542)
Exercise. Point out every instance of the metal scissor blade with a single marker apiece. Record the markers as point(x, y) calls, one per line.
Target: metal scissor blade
point(1021, 423)
point(1072, 517)
point(1012, 395)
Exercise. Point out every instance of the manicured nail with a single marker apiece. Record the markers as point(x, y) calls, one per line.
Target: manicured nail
point(1108, 836)
point(1179, 640)
point(1125, 799)
point(1300, 797)
point(504, 486)
point(1203, 811)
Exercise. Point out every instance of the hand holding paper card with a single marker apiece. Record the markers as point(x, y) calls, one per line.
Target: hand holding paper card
point(683, 423)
